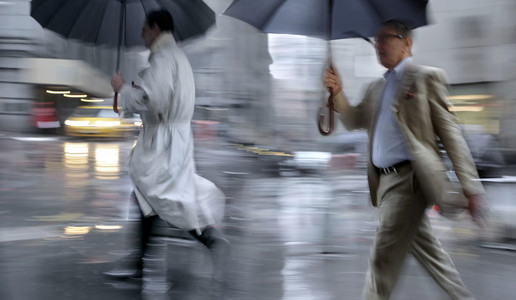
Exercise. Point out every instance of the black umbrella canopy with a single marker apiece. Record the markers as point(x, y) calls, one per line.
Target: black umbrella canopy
point(118, 22)
point(327, 19)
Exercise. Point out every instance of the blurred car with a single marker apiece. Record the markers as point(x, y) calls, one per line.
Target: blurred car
point(101, 121)
point(485, 149)
point(355, 142)
point(308, 161)
point(486, 153)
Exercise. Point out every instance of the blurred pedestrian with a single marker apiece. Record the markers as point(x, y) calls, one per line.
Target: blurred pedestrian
point(406, 113)
point(161, 166)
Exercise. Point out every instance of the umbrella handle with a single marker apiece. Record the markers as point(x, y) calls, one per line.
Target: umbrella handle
point(115, 103)
point(320, 124)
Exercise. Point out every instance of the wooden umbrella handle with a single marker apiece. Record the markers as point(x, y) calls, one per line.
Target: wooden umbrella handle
point(320, 124)
point(115, 103)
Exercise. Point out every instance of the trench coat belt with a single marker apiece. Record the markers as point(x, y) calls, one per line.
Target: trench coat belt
point(394, 168)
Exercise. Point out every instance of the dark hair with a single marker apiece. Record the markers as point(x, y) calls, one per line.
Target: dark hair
point(401, 27)
point(162, 19)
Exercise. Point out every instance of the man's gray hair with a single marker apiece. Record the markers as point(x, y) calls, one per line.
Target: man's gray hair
point(402, 28)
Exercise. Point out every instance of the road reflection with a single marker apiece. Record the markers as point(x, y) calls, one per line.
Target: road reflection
point(107, 161)
point(106, 158)
point(76, 160)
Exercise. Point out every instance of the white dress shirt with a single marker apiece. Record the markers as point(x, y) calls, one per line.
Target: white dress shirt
point(389, 145)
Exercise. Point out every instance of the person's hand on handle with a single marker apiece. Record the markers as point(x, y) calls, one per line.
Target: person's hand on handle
point(332, 81)
point(116, 82)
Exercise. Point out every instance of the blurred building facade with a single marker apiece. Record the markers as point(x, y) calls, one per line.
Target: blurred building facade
point(16, 42)
point(267, 89)
point(475, 42)
point(29, 66)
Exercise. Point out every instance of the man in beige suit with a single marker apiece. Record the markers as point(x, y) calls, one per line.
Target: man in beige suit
point(406, 114)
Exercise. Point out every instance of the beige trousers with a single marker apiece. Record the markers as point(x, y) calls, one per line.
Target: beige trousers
point(404, 227)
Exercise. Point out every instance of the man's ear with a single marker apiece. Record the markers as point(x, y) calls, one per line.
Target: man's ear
point(408, 44)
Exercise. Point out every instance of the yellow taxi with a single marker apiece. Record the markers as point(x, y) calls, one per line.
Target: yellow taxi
point(101, 121)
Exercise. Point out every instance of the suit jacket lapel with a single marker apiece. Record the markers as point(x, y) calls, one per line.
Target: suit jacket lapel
point(407, 80)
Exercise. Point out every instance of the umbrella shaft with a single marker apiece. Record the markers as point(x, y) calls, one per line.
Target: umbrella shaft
point(121, 33)
point(330, 18)
point(330, 21)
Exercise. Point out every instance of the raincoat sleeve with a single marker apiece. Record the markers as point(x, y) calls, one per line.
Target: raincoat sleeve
point(153, 97)
point(132, 99)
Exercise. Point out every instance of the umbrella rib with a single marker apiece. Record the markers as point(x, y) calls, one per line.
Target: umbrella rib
point(330, 21)
point(45, 24)
point(35, 6)
point(269, 19)
point(122, 31)
point(144, 10)
point(84, 4)
point(145, 19)
point(375, 9)
point(102, 19)
point(199, 26)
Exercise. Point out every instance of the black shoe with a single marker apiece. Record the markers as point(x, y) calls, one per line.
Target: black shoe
point(127, 269)
point(212, 238)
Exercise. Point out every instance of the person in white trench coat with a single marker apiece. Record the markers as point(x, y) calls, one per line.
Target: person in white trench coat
point(161, 166)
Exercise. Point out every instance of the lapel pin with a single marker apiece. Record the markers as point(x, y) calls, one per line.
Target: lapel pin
point(409, 95)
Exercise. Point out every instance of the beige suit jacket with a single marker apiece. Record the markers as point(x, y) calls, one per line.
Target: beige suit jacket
point(421, 110)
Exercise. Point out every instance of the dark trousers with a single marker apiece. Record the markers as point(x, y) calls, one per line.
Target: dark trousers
point(209, 236)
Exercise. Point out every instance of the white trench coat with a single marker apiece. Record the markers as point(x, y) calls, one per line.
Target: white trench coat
point(161, 166)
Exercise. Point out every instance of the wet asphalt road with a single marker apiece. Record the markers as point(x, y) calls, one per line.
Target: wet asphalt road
point(66, 218)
